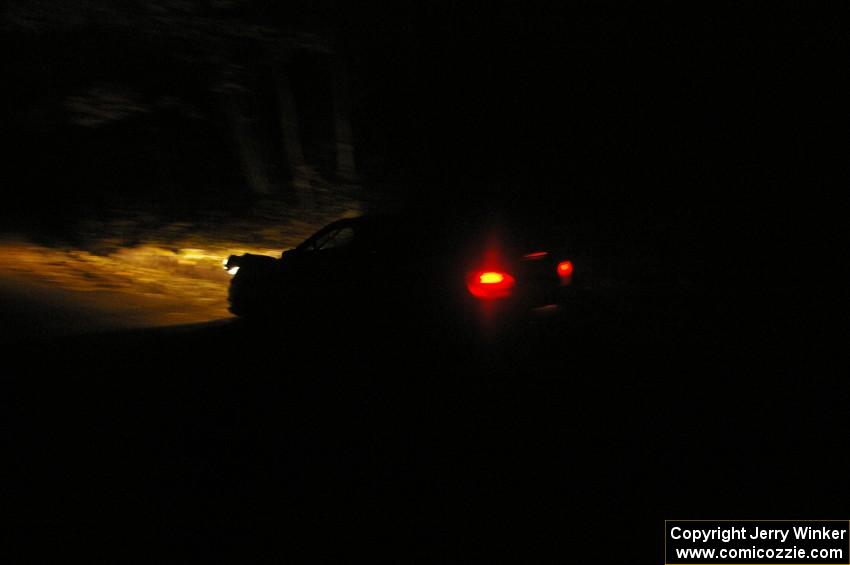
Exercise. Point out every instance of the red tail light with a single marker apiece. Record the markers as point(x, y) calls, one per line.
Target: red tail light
point(490, 284)
point(565, 271)
point(565, 268)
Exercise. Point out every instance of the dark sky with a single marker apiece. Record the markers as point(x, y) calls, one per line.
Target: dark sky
point(673, 105)
point(655, 88)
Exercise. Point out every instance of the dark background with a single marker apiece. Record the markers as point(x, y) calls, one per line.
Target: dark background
point(703, 106)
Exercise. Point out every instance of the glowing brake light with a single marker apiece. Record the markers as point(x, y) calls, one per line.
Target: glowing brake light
point(491, 278)
point(565, 272)
point(490, 284)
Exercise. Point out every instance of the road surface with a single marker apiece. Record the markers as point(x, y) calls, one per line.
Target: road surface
point(235, 443)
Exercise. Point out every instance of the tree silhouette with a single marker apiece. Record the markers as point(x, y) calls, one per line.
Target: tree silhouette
point(224, 43)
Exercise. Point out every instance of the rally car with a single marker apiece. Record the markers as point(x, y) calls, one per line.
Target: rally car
point(409, 268)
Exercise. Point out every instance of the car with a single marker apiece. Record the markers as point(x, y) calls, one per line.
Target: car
point(408, 267)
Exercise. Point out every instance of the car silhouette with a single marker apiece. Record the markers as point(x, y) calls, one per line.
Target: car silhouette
point(407, 267)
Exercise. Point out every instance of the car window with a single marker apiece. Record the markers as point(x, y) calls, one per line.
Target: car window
point(334, 239)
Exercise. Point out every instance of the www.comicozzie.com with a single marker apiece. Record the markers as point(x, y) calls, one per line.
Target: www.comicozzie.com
point(812, 542)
